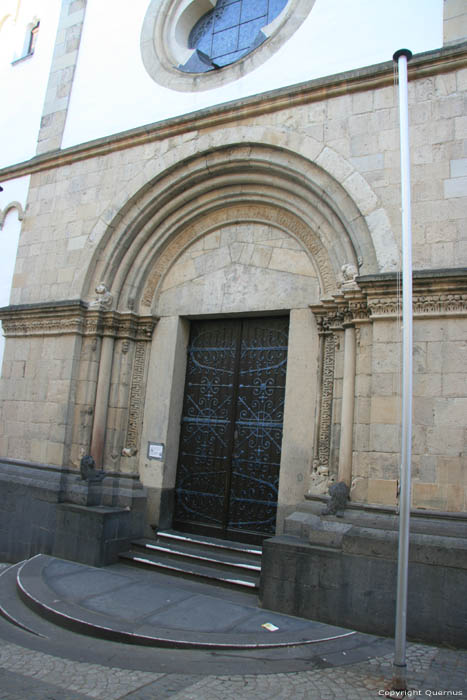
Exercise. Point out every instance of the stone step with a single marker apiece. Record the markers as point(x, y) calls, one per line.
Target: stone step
point(180, 550)
point(13, 609)
point(249, 551)
point(189, 568)
point(220, 562)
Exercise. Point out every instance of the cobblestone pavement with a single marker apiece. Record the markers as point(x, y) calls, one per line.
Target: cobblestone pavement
point(33, 675)
point(27, 674)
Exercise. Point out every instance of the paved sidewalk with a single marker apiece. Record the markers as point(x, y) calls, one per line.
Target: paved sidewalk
point(32, 674)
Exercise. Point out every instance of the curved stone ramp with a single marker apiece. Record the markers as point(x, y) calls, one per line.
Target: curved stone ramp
point(9, 601)
point(112, 604)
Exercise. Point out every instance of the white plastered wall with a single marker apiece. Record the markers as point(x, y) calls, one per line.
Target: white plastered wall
point(112, 91)
point(24, 82)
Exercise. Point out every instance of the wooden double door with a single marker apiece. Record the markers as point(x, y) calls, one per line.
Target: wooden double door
point(231, 430)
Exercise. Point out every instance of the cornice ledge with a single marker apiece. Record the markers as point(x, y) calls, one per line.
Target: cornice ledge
point(436, 293)
point(443, 280)
point(370, 77)
point(74, 317)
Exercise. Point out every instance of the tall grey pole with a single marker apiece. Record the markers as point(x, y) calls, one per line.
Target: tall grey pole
point(399, 680)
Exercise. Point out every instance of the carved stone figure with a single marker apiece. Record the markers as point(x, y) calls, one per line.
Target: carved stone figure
point(320, 479)
point(129, 451)
point(349, 275)
point(103, 300)
point(339, 495)
point(88, 469)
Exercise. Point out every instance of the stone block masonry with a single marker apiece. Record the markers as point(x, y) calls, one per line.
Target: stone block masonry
point(39, 513)
point(61, 75)
point(343, 571)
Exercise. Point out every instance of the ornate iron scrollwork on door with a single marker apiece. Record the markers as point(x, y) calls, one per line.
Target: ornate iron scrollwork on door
point(231, 433)
point(258, 425)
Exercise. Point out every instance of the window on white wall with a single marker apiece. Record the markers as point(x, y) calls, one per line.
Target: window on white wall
point(29, 41)
point(32, 38)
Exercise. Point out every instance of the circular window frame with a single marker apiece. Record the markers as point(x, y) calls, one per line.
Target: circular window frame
point(164, 43)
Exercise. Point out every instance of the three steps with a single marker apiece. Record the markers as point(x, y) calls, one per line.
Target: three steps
point(214, 560)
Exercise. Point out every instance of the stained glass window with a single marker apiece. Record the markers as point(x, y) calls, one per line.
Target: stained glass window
point(229, 31)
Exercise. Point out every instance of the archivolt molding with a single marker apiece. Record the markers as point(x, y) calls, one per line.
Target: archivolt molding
point(12, 205)
point(283, 219)
point(334, 177)
point(172, 204)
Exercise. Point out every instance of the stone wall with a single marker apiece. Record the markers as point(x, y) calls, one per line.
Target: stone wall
point(455, 21)
point(354, 585)
point(353, 137)
point(43, 510)
point(217, 212)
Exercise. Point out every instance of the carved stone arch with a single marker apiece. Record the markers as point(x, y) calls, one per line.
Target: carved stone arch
point(281, 184)
point(9, 207)
point(238, 213)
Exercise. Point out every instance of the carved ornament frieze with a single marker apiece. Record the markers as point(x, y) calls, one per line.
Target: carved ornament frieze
point(423, 305)
point(367, 299)
point(75, 318)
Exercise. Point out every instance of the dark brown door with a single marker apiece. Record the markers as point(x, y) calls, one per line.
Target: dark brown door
point(231, 431)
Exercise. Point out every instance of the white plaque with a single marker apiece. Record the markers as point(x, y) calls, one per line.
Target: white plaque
point(155, 450)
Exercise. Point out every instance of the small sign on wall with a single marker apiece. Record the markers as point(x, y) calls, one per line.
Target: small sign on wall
point(155, 450)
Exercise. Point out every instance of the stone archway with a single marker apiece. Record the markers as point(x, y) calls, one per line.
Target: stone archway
point(238, 268)
point(277, 184)
point(149, 255)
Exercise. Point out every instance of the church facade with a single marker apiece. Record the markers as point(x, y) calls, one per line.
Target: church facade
point(210, 305)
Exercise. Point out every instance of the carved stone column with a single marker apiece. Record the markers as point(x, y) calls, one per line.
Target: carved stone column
point(348, 402)
point(327, 323)
point(99, 306)
point(112, 326)
point(334, 316)
point(102, 401)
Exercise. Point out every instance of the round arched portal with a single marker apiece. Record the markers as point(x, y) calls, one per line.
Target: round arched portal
point(228, 246)
point(253, 181)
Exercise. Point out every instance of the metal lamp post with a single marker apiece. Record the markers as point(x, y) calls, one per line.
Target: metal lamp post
point(399, 681)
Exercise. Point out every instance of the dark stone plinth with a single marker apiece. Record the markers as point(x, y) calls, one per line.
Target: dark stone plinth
point(93, 535)
point(36, 515)
point(85, 493)
point(345, 574)
point(28, 499)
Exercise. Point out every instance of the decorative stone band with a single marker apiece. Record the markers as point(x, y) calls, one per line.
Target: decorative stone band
point(74, 317)
point(442, 305)
point(435, 293)
point(137, 391)
point(327, 392)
